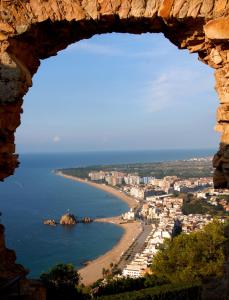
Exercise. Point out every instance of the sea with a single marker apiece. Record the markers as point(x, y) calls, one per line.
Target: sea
point(35, 193)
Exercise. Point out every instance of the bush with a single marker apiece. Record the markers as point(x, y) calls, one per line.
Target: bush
point(164, 292)
point(115, 286)
point(126, 284)
point(61, 283)
point(192, 257)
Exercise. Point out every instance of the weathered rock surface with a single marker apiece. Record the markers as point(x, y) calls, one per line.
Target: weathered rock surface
point(217, 29)
point(86, 220)
point(31, 289)
point(50, 222)
point(68, 219)
point(8, 267)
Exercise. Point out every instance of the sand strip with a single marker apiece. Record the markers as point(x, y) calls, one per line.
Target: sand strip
point(131, 202)
point(93, 271)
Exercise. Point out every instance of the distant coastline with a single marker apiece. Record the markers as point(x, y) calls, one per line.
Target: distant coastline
point(93, 270)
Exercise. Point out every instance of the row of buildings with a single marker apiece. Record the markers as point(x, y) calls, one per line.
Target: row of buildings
point(160, 204)
point(143, 187)
point(164, 211)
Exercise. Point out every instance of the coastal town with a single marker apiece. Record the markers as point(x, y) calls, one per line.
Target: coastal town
point(159, 208)
point(164, 199)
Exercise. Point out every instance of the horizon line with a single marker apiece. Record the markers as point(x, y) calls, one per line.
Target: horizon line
point(117, 150)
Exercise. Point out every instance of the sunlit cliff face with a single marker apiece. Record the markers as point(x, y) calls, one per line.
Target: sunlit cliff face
point(33, 30)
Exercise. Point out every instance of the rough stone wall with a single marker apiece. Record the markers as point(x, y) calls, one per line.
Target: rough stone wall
point(31, 30)
point(8, 267)
point(31, 289)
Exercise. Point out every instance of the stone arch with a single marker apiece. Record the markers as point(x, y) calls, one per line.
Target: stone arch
point(31, 30)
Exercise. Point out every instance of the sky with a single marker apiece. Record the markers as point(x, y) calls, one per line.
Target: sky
point(120, 92)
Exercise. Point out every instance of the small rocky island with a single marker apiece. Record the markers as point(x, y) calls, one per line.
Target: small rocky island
point(68, 219)
point(86, 220)
point(50, 222)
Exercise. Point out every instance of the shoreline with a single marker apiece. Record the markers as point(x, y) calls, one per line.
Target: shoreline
point(131, 202)
point(93, 270)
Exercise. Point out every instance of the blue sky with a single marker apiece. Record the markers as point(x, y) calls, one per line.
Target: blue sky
point(120, 92)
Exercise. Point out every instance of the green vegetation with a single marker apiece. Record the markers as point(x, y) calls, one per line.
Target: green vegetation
point(179, 270)
point(192, 257)
point(121, 285)
point(164, 292)
point(181, 168)
point(61, 283)
point(193, 205)
point(186, 259)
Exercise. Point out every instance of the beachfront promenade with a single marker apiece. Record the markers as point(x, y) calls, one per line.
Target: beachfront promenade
point(137, 246)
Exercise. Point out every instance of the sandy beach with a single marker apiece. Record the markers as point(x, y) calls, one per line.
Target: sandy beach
point(93, 271)
point(132, 203)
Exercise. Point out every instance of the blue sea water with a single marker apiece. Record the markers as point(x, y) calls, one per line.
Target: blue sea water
point(35, 193)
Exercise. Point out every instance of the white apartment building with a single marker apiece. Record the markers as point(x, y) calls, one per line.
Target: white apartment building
point(96, 176)
point(132, 179)
point(130, 215)
point(114, 180)
point(134, 270)
point(137, 192)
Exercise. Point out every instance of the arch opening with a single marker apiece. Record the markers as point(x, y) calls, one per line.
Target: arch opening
point(37, 82)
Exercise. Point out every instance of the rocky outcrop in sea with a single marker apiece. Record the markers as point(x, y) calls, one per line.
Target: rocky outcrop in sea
point(50, 222)
point(68, 219)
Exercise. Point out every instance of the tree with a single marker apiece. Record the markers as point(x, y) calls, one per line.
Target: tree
point(119, 285)
point(61, 282)
point(104, 272)
point(62, 274)
point(177, 228)
point(193, 257)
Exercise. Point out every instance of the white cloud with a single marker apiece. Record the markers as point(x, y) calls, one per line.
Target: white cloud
point(173, 87)
point(56, 139)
